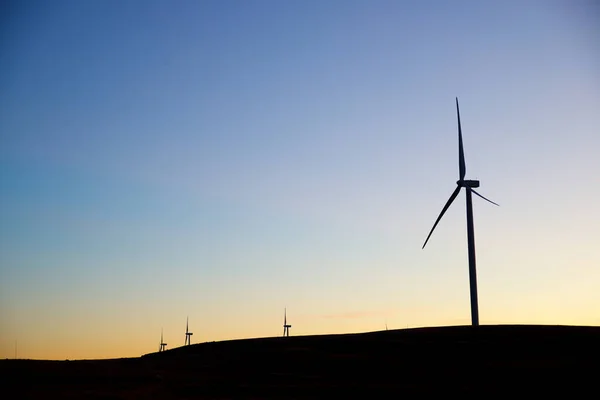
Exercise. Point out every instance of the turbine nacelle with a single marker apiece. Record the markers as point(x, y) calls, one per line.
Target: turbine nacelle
point(467, 183)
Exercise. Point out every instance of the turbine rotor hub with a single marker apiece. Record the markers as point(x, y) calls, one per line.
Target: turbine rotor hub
point(468, 183)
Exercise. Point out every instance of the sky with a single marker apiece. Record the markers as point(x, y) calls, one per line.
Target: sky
point(224, 160)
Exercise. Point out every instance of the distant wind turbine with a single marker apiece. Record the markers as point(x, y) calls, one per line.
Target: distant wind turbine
point(286, 326)
point(163, 345)
point(188, 334)
point(469, 186)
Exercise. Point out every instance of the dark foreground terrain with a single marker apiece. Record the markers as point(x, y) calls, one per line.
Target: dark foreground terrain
point(516, 361)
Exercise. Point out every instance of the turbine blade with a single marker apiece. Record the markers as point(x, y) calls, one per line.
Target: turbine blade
point(450, 200)
point(472, 190)
point(462, 169)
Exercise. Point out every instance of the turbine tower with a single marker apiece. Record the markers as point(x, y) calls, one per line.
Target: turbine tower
point(188, 334)
point(469, 186)
point(286, 326)
point(163, 345)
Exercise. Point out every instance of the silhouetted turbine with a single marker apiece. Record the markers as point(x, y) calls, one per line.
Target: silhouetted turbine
point(188, 334)
point(163, 345)
point(286, 327)
point(469, 186)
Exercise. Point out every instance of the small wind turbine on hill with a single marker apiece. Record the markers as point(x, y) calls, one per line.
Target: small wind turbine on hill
point(188, 334)
point(469, 186)
point(162, 345)
point(286, 326)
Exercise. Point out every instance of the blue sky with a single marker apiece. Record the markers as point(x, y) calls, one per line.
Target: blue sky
point(227, 159)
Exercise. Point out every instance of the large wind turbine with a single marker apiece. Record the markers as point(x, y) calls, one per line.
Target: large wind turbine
point(469, 186)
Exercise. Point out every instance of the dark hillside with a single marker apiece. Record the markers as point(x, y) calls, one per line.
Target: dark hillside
point(538, 360)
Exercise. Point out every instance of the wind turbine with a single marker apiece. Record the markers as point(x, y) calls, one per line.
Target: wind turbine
point(188, 334)
point(286, 327)
point(469, 186)
point(163, 345)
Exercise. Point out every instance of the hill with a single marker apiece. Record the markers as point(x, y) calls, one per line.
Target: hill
point(510, 359)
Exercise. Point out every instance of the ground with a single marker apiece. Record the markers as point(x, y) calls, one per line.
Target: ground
point(513, 360)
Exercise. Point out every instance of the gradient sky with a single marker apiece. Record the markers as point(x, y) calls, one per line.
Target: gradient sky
point(223, 160)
